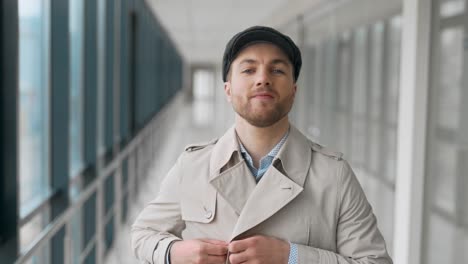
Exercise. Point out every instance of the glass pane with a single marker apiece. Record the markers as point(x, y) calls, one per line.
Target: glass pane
point(33, 101)
point(301, 105)
point(450, 76)
point(359, 72)
point(77, 237)
point(342, 138)
point(393, 61)
point(447, 217)
point(89, 221)
point(76, 91)
point(109, 234)
point(30, 231)
point(390, 152)
point(101, 93)
point(344, 70)
point(447, 242)
point(359, 97)
point(450, 8)
point(443, 177)
point(108, 137)
point(375, 146)
point(358, 142)
point(203, 93)
point(124, 205)
point(91, 257)
point(329, 94)
point(316, 93)
point(42, 256)
point(376, 71)
point(109, 190)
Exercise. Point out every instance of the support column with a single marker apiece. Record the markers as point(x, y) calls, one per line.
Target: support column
point(412, 126)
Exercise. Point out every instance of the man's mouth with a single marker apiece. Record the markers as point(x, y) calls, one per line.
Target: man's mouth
point(263, 96)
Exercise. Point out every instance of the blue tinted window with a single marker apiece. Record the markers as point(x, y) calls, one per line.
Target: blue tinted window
point(34, 39)
point(76, 86)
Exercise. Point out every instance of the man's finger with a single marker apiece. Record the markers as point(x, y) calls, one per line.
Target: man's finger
point(237, 246)
point(214, 241)
point(241, 257)
point(216, 250)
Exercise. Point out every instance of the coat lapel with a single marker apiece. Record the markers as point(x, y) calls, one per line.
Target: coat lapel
point(234, 183)
point(271, 194)
point(254, 203)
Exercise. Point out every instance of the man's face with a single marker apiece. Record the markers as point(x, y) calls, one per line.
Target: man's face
point(261, 85)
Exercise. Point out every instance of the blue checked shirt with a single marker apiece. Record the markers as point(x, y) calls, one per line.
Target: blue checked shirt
point(265, 163)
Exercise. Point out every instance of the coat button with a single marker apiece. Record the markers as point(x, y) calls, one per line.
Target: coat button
point(208, 214)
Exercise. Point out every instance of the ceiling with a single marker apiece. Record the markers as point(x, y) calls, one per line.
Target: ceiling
point(201, 28)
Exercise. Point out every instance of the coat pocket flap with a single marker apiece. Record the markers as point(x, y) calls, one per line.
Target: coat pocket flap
point(199, 205)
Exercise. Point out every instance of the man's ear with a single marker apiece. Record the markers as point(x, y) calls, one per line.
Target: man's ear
point(227, 90)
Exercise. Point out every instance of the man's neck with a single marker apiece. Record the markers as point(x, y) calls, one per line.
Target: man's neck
point(260, 140)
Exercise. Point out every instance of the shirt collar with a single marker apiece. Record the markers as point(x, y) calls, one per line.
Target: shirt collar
point(273, 152)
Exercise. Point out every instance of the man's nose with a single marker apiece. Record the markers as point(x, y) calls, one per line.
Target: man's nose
point(263, 78)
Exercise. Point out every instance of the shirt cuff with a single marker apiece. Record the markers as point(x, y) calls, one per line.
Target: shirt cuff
point(292, 254)
point(168, 252)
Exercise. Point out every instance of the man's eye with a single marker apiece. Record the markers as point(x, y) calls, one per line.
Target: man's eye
point(248, 71)
point(279, 71)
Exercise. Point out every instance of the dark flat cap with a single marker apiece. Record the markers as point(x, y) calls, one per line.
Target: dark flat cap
point(261, 34)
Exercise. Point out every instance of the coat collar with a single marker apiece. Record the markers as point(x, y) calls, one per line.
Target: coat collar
point(254, 203)
point(294, 155)
point(224, 151)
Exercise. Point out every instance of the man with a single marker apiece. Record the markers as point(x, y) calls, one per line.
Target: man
point(262, 193)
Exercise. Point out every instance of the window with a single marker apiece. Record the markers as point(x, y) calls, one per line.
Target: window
point(446, 215)
point(34, 39)
point(451, 7)
point(344, 99)
point(375, 141)
point(391, 97)
point(76, 32)
point(359, 96)
point(203, 92)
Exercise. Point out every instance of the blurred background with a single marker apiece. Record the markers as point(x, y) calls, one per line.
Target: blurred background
point(99, 97)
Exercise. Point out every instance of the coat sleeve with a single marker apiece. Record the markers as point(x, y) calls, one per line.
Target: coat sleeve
point(160, 222)
point(358, 240)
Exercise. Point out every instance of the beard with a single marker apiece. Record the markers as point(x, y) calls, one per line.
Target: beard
point(262, 114)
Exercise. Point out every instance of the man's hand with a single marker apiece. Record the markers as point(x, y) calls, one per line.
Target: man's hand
point(259, 249)
point(199, 251)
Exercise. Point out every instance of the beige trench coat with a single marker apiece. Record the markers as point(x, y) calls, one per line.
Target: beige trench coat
point(310, 196)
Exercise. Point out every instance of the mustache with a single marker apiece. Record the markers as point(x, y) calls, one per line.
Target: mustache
point(264, 89)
